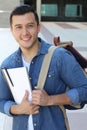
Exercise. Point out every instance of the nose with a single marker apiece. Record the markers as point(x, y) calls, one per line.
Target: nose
point(25, 31)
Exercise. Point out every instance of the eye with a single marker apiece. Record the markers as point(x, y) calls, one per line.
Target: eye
point(18, 27)
point(30, 25)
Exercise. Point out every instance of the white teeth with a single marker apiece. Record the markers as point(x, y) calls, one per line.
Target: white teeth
point(26, 39)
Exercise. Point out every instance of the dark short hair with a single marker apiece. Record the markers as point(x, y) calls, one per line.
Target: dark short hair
point(23, 9)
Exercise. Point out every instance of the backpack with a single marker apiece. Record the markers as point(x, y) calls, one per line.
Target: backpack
point(68, 45)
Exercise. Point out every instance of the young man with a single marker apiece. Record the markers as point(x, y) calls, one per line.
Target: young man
point(43, 112)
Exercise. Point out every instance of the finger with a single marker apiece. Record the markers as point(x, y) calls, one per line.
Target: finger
point(36, 88)
point(36, 109)
point(36, 112)
point(25, 96)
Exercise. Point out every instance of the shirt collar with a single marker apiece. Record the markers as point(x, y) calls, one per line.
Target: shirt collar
point(43, 46)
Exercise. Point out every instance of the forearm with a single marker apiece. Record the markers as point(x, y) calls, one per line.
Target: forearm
point(60, 99)
point(40, 97)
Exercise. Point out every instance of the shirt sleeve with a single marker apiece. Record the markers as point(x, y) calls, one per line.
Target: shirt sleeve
point(74, 77)
point(7, 107)
point(73, 95)
point(6, 98)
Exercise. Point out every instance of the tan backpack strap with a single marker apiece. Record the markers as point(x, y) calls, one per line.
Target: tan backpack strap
point(45, 67)
point(65, 117)
point(43, 75)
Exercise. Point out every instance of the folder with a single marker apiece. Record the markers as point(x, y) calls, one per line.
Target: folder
point(18, 82)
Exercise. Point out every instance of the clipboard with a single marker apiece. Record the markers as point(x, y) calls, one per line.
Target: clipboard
point(18, 82)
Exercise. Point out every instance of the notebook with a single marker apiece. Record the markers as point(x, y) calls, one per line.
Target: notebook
point(18, 82)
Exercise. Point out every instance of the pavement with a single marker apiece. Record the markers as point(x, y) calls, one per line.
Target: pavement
point(76, 32)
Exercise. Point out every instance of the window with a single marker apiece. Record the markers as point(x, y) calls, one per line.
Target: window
point(73, 10)
point(49, 10)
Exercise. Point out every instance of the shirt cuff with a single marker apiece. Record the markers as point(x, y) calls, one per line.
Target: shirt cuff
point(7, 107)
point(73, 95)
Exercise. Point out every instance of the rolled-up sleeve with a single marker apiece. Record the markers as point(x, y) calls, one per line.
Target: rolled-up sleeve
point(73, 95)
point(7, 107)
point(74, 77)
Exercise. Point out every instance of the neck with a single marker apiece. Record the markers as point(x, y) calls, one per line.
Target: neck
point(29, 53)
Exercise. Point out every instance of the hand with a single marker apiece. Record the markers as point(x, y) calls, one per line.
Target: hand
point(25, 107)
point(40, 97)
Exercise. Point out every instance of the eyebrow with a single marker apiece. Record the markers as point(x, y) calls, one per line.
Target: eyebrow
point(21, 24)
point(17, 25)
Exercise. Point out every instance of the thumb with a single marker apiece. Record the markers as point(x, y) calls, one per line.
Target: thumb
point(25, 96)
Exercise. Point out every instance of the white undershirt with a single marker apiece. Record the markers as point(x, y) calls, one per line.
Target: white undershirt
point(30, 119)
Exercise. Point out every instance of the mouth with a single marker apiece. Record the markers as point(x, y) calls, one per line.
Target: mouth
point(26, 39)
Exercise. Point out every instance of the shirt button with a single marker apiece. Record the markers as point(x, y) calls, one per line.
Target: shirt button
point(49, 75)
point(35, 124)
point(30, 78)
point(32, 62)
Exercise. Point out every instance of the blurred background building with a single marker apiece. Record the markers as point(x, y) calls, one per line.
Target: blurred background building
point(5, 9)
point(60, 10)
point(48, 10)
